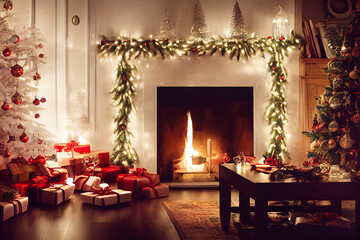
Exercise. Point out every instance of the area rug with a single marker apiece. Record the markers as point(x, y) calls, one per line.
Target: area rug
point(198, 220)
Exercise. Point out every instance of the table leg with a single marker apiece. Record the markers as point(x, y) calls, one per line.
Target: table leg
point(336, 206)
point(225, 204)
point(244, 206)
point(357, 214)
point(260, 218)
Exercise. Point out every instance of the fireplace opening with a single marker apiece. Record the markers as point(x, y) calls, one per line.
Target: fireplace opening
point(221, 121)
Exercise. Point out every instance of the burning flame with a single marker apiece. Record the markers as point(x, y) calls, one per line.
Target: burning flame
point(189, 150)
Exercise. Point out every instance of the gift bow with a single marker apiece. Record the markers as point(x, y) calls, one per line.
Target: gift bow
point(139, 172)
point(103, 191)
point(270, 161)
point(70, 146)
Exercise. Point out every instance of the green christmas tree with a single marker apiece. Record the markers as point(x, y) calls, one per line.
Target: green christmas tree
point(336, 127)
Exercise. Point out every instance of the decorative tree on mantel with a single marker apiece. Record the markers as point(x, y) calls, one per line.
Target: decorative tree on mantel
point(336, 128)
point(237, 27)
point(167, 30)
point(199, 30)
point(20, 133)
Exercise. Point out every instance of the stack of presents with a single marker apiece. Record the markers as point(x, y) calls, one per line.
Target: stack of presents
point(37, 181)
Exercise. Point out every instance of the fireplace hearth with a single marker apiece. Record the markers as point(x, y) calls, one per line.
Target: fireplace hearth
point(221, 121)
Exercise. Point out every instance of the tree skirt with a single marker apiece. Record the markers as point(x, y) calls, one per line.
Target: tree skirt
point(198, 220)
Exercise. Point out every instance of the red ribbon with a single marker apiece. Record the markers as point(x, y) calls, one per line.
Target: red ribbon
point(270, 161)
point(103, 191)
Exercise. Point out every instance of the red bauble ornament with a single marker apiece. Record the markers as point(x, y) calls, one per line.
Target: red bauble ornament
point(43, 100)
point(36, 102)
point(17, 70)
point(14, 39)
point(194, 50)
point(40, 141)
point(273, 69)
point(24, 137)
point(16, 98)
point(281, 38)
point(269, 37)
point(37, 115)
point(37, 76)
point(41, 55)
point(8, 5)
point(123, 77)
point(6, 106)
point(7, 52)
point(11, 138)
point(6, 154)
point(123, 126)
point(282, 77)
point(103, 42)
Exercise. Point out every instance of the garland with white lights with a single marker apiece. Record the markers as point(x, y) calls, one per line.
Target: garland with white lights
point(123, 92)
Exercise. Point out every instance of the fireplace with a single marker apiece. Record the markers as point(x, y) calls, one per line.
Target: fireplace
point(221, 119)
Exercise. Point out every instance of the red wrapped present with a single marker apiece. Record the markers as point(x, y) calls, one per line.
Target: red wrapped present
point(103, 156)
point(12, 208)
point(87, 183)
point(109, 174)
point(72, 147)
point(135, 182)
point(158, 191)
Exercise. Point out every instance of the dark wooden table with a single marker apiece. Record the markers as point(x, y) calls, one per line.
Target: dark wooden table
point(256, 185)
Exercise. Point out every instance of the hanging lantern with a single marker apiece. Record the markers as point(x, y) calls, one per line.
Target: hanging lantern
point(280, 25)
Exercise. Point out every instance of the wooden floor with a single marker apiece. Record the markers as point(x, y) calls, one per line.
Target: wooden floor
point(142, 219)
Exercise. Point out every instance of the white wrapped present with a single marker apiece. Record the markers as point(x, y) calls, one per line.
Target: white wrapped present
point(57, 194)
point(118, 196)
point(87, 183)
point(12, 208)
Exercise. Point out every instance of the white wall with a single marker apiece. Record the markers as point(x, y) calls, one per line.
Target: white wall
point(141, 18)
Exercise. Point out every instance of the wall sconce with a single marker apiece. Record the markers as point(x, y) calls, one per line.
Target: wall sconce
point(280, 25)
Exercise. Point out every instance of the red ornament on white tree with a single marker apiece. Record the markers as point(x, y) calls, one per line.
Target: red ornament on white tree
point(7, 52)
point(6, 106)
point(43, 100)
point(24, 137)
point(36, 101)
point(16, 98)
point(17, 70)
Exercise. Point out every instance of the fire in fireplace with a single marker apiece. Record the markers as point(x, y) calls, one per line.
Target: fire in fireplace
point(196, 126)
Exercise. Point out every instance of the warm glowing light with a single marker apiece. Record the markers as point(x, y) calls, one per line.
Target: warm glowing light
point(189, 150)
point(69, 181)
point(82, 140)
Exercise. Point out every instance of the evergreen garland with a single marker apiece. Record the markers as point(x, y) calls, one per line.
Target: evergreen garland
point(129, 49)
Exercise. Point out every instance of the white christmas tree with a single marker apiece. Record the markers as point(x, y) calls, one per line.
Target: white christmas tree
point(237, 27)
point(199, 30)
point(20, 132)
point(167, 30)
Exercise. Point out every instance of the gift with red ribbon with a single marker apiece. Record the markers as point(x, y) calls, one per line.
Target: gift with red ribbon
point(72, 147)
point(12, 208)
point(106, 196)
point(137, 180)
point(52, 195)
point(158, 191)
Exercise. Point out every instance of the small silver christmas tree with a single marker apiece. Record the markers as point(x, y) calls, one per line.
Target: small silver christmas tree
point(166, 28)
point(199, 30)
point(237, 27)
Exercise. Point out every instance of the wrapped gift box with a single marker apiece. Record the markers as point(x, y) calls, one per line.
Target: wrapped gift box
point(119, 196)
point(103, 156)
point(13, 208)
point(135, 183)
point(160, 190)
point(80, 148)
point(53, 195)
point(87, 183)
